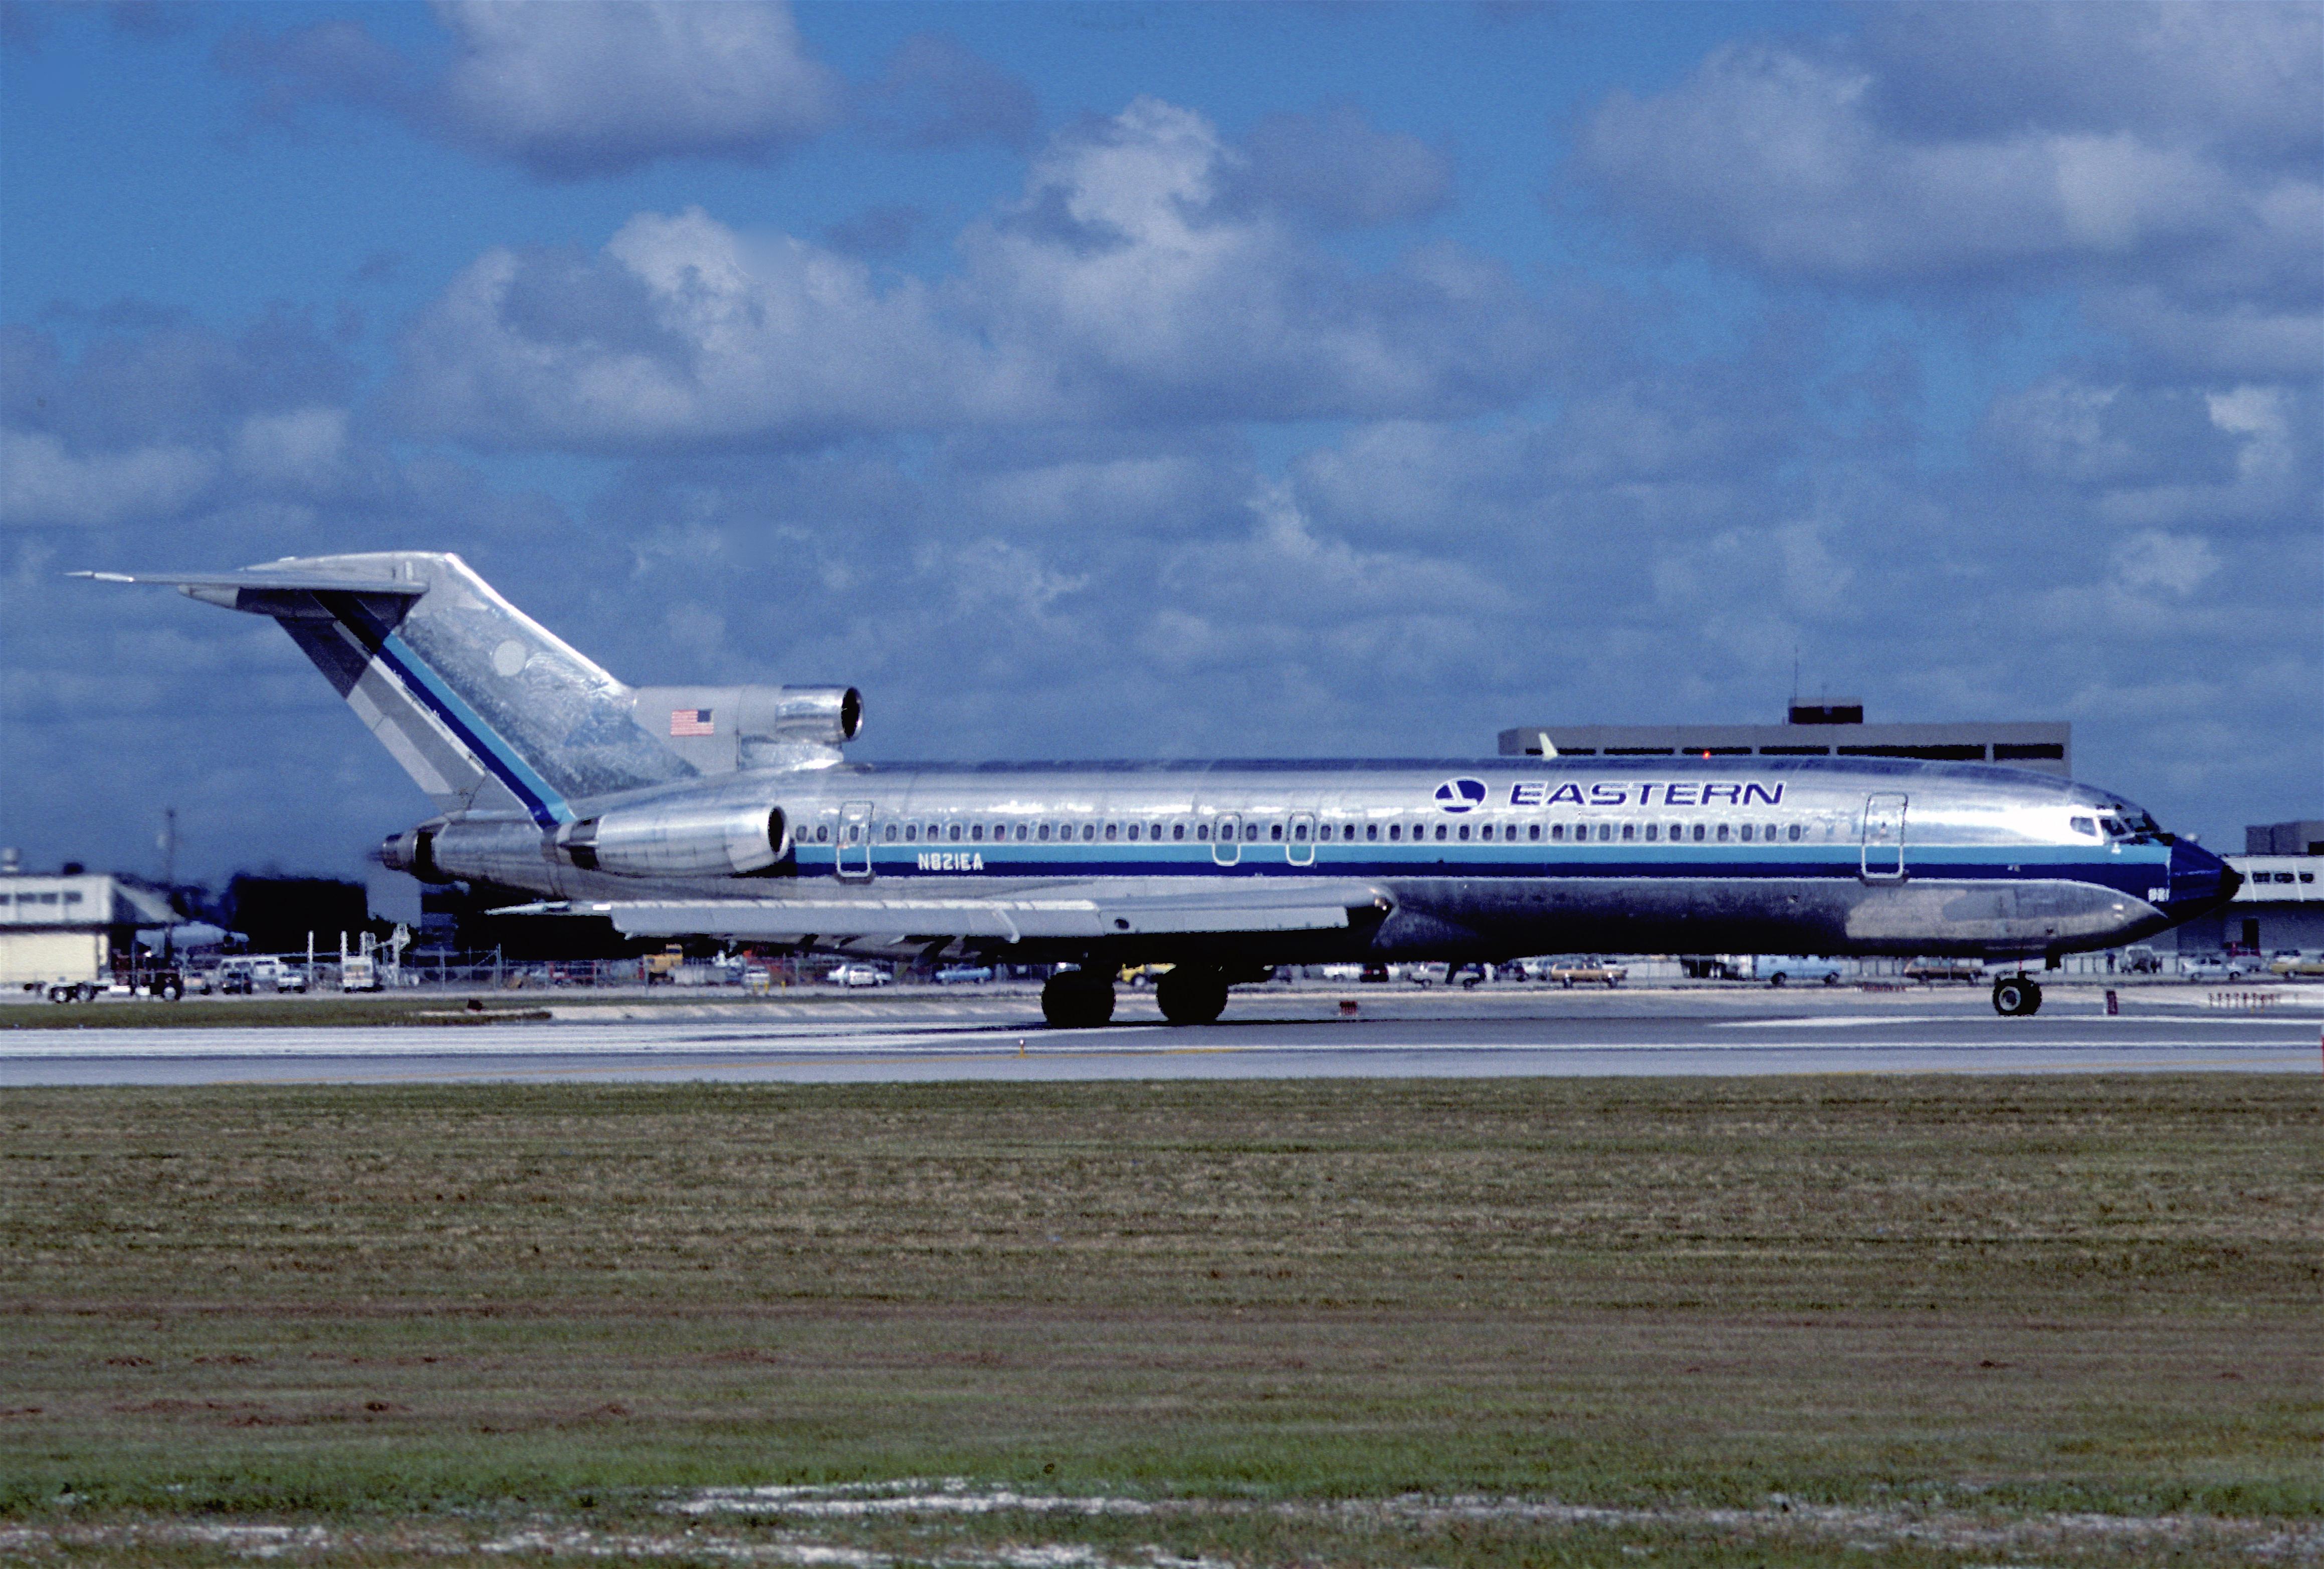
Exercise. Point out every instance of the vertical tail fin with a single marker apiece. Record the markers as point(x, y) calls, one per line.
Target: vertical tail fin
point(485, 708)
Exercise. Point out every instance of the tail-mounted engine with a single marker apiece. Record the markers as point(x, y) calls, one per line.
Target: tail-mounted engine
point(676, 839)
point(720, 729)
point(681, 839)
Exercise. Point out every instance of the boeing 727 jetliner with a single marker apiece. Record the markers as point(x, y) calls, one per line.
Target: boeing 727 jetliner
point(730, 812)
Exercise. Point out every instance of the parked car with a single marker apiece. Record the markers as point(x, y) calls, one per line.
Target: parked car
point(1570, 971)
point(1340, 971)
point(2219, 967)
point(2293, 964)
point(1790, 969)
point(1928, 972)
point(858, 975)
point(963, 974)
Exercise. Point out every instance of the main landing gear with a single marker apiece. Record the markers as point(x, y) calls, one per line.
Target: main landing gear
point(1083, 999)
point(2016, 996)
point(1191, 994)
point(1079, 999)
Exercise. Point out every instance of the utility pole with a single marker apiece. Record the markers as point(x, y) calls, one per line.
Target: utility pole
point(169, 848)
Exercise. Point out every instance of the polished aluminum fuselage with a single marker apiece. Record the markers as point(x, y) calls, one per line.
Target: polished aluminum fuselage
point(1473, 860)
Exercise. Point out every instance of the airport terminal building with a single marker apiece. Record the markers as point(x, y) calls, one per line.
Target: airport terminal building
point(1833, 729)
point(2280, 904)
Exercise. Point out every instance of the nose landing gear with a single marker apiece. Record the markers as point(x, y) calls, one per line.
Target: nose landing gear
point(2016, 996)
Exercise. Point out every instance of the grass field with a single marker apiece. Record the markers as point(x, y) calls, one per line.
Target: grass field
point(1957, 1321)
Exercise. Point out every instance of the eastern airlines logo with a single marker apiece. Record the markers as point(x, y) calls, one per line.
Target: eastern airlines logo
point(1723, 793)
point(1460, 794)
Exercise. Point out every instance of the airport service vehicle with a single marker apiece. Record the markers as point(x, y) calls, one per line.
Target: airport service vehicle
point(2141, 960)
point(1572, 973)
point(1794, 969)
point(858, 975)
point(2221, 967)
point(733, 813)
point(963, 974)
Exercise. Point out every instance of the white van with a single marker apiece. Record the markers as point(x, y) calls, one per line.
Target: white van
point(1795, 969)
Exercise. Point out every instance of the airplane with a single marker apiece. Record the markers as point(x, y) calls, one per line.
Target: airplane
point(732, 812)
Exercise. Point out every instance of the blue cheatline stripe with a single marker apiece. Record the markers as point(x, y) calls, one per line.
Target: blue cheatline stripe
point(547, 806)
point(2031, 862)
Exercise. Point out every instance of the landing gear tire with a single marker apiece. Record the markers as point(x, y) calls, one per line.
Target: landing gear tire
point(1192, 996)
point(2016, 996)
point(1777, 979)
point(1077, 1000)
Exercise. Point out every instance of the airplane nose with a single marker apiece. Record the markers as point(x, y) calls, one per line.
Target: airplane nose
point(2200, 880)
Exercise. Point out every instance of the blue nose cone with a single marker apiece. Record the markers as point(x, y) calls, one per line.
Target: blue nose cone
point(2199, 881)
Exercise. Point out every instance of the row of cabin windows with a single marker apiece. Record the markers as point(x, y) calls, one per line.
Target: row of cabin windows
point(1535, 833)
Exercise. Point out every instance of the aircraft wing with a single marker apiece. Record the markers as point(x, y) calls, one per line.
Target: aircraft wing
point(1103, 908)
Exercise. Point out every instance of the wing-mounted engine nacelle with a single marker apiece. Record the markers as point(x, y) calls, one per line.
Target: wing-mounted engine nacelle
point(679, 839)
point(719, 729)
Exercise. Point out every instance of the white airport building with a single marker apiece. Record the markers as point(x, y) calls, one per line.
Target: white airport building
point(68, 927)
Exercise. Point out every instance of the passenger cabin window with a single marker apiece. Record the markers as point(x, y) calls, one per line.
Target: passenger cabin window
point(1274, 831)
point(1371, 832)
point(1089, 832)
point(976, 833)
point(1154, 830)
point(1629, 832)
point(1654, 832)
point(1745, 833)
point(1177, 831)
point(1532, 832)
point(1556, 833)
point(1202, 832)
point(822, 833)
point(1251, 830)
point(1111, 830)
point(1793, 833)
point(1698, 833)
point(1725, 832)
point(1133, 831)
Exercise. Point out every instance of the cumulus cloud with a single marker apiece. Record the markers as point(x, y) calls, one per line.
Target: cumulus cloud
point(568, 90)
point(597, 87)
point(2165, 159)
point(1117, 288)
point(44, 485)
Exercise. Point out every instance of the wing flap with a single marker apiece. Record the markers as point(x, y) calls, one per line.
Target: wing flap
point(1092, 910)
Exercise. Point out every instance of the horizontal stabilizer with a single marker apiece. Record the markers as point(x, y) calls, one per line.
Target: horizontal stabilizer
point(311, 582)
point(1115, 908)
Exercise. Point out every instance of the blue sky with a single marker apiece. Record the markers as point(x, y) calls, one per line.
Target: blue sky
point(1101, 380)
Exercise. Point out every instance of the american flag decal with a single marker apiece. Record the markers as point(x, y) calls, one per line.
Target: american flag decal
point(691, 722)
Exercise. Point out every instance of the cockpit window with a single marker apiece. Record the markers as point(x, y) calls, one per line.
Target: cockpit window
point(2083, 825)
point(2115, 828)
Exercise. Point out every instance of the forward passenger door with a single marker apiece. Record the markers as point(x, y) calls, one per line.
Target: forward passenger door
point(1883, 838)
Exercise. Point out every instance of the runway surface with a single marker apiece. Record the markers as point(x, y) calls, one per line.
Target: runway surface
point(1268, 1033)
